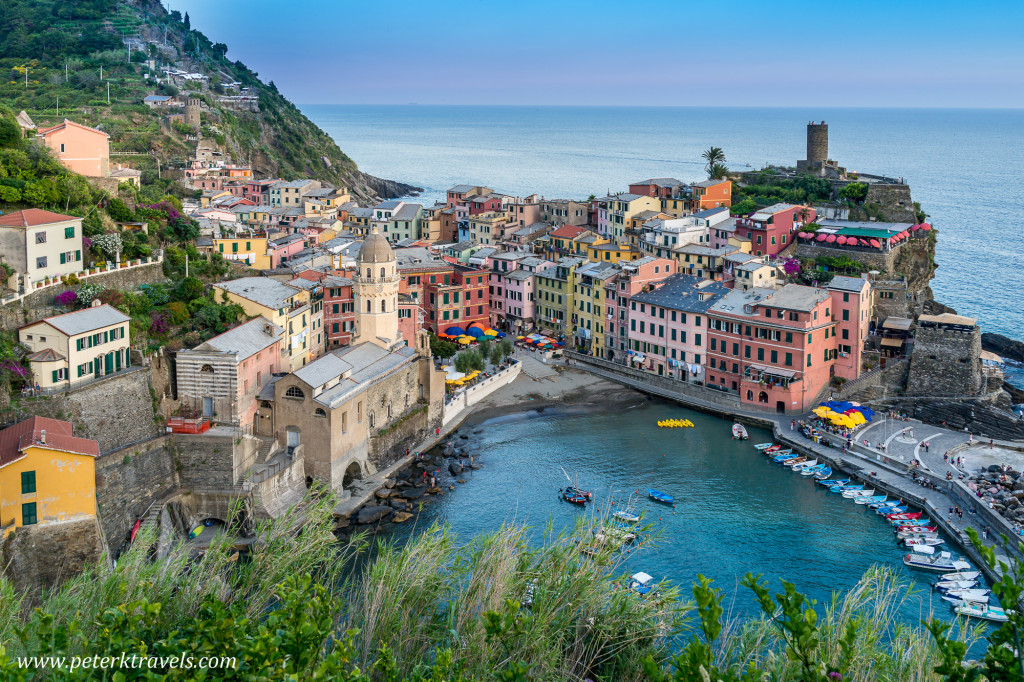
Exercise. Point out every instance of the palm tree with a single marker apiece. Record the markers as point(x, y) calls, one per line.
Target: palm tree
point(717, 171)
point(713, 155)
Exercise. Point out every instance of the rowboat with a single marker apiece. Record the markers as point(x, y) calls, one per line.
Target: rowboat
point(641, 583)
point(844, 488)
point(910, 523)
point(570, 495)
point(627, 516)
point(803, 465)
point(739, 432)
point(822, 474)
point(943, 585)
point(886, 504)
point(659, 496)
point(762, 446)
point(970, 596)
point(926, 558)
point(870, 499)
point(882, 511)
point(849, 494)
point(913, 542)
point(840, 481)
point(811, 471)
point(960, 575)
point(772, 448)
point(587, 495)
point(793, 460)
point(905, 516)
point(904, 533)
point(918, 529)
point(784, 457)
point(982, 611)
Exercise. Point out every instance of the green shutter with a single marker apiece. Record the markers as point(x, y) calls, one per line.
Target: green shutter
point(63, 259)
point(55, 379)
point(28, 482)
point(28, 514)
point(78, 255)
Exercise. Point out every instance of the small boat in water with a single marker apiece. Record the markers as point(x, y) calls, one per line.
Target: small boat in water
point(627, 516)
point(885, 505)
point(943, 585)
point(641, 583)
point(882, 511)
point(910, 523)
point(659, 496)
point(761, 447)
point(784, 456)
point(869, 499)
point(933, 542)
point(571, 495)
point(739, 432)
point(793, 461)
point(823, 473)
point(845, 488)
point(926, 558)
point(850, 494)
point(902, 534)
point(800, 466)
point(969, 596)
point(811, 471)
point(982, 611)
point(961, 575)
point(840, 481)
point(905, 516)
point(772, 448)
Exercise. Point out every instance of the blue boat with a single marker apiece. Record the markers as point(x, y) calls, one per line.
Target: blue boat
point(885, 504)
point(838, 481)
point(763, 446)
point(882, 511)
point(844, 488)
point(785, 456)
point(659, 496)
point(823, 474)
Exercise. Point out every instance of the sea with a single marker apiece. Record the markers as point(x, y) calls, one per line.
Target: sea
point(963, 165)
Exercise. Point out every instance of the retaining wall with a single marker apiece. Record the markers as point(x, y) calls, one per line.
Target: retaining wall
point(463, 400)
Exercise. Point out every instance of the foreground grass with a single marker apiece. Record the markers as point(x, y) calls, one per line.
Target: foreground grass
point(306, 607)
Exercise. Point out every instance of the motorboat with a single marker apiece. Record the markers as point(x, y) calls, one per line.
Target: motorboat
point(784, 455)
point(871, 499)
point(850, 494)
point(811, 471)
point(961, 575)
point(822, 474)
point(913, 542)
point(902, 534)
point(927, 558)
point(659, 496)
point(971, 596)
point(982, 611)
point(797, 466)
point(839, 481)
point(905, 516)
point(627, 516)
point(739, 432)
point(885, 504)
point(943, 585)
point(641, 583)
point(761, 447)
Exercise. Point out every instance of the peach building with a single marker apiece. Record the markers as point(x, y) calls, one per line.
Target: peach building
point(81, 149)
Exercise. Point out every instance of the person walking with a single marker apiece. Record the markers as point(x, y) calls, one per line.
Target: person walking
point(984, 533)
point(950, 514)
point(989, 443)
point(945, 458)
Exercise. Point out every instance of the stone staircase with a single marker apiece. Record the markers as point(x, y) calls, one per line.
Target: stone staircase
point(267, 447)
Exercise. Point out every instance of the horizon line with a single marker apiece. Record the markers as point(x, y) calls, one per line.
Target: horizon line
point(663, 106)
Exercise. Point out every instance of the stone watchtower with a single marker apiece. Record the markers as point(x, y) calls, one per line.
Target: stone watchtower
point(817, 143)
point(192, 116)
point(375, 289)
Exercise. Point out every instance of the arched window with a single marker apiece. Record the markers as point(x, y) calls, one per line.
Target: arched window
point(383, 306)
point(319, 412)
point(762, 397)
point(369, 307)
point(206, 368)
point(295, 392)
point(750, 394)
point(382, 275)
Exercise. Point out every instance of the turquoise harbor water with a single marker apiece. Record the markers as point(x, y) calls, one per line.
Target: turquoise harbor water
point(964, 166)
point(736, 511)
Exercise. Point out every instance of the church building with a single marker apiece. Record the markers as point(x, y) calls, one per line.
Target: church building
point(352, 411)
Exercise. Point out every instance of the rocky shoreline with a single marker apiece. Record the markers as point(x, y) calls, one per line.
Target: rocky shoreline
point(402, 496)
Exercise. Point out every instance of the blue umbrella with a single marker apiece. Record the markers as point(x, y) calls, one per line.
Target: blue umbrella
point(475, 332)
point(454, 331)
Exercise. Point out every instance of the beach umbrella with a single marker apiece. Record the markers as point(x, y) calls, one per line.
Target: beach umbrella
point(465, 340)
point(821, 411)
point(519, 338)
point(821, 237)
point(915, 228)
point(490, 333)
point(925, 226)
point(864, 242)
point(455, 331)
point(875, 243)
point(476, 324)
point(841, 240)
point(501, 335)
point(475, 332)
point(830, 239)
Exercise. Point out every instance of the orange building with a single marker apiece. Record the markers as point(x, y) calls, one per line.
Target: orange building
point(711, 194)
point(81, 149)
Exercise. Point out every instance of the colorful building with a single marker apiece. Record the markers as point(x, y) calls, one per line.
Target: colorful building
point(614, 211)
point(47, 475)
point(285, 306)
point(772, 229)
point(41, 245)
point(589, 317)
point(554, 293)
point(77, 347)
point(81, 149)
point(248, 249)
point(660, 188)
point(711, 194)
point(612, 253)
point(852, 300)
point(637, 276)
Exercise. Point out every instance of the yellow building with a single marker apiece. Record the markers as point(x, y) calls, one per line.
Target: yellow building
point(589, 299)
point(75, 347)
point(284, 305)
point(554, 295)
point(47, 475)
point(209, 195)
point(612, 253)
point(252, 250)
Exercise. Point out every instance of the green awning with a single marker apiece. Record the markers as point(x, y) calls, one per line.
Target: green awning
point(866, 232)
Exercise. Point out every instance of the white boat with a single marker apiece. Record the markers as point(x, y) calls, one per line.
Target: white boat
point(922, 534)
point(627, 516)
point(869, 500)
point(944, 585)
point(804, 464)
point(916, 542)
point(739, 432)
point(961, 575)
point(969, 596)
point(641, 583)
point(811, 471)
point(763, 446)
point(850, 494)
point(983, 611)
point(926, 558)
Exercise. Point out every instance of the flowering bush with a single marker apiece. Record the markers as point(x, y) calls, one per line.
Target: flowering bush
point(14, 369)
point(791, 266)
point(87, 292)
point(86, 242)
point(159, 324)
point(66, 299)
point(109, 243)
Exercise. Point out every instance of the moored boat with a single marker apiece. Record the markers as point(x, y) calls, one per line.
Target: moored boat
point(870, 499)
point(659, 496)
point(943, 585)
point(960, 575)
point(905, 516)
point(839, 481)
point(822, 474)
point(763, 446)
point(982, 611)
point(627, 516)
point(970, 596)
point(793, 461)
point(569, 495)
point(739, 432)
point(910, 523)
point(641, 583)
point(882, 511)
point(844, 488)
point(913, 542)
point(849, 494)
point(811, 471)
point(772, 448)
point(800, 466)
point(885, 505)
point(902, 534)
point(926, 558)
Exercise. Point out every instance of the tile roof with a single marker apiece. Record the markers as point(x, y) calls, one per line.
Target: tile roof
point(85, 320)
point(370, 363)
point(569, 231)
point(45, 355)
point(843, 283)
point(31, 217)
point(263, 290)
point(57, 434)
point(245, 340)
point(684, 292)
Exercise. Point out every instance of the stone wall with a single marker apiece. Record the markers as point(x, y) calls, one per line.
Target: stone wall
point(39, 304)
point(945, 363)
point(213, 462)
point(37, 558)
point(874, 260)
point(895, 201)
point(387, 447)
point(129, 482)
point(114, 411)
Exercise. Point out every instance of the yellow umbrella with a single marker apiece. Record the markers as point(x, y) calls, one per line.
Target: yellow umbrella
point(465, 341)
point(821, 411)
point(856, 417)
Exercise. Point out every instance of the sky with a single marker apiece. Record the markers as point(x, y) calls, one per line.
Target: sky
point(895, 53)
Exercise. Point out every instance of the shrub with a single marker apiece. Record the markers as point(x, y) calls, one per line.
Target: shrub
point(65, 299)
point(191, 288)
point(112, 297)
point(72, 280)
point(10, 195)
point(87, 292)
point(178, 313)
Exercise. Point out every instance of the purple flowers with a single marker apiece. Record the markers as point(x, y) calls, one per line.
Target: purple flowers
point(86, 242)
point(835, 676)
point(791, 266)
point(158, 324)
point(14, 368)
point(66, 298)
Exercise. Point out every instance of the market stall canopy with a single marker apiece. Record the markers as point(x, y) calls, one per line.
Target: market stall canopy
point(892, 343)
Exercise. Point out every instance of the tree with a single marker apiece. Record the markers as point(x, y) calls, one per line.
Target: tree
point(713, 156)
point(718, 171)
point(469, 360)
point(855, 191)
point(441, 348)
point(10, 133)
point(188, 22)
point(191, 288)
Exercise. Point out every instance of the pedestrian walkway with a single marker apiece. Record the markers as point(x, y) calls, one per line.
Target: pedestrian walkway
point(534, 368)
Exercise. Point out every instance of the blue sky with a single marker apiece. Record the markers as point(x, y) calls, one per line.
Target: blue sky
point(737, 53)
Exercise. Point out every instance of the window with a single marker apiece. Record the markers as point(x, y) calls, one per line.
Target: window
point(295, 392)
point(28, 482)
point(775, 357)
point(28, 510)
point(846, 334)
point(41, 262)
point(808, 359)
point(789, 337)
point(760, 353)
point(846, 315)
point(69, 232)
point(319, 412)
point(383, 306)
point(789, 360)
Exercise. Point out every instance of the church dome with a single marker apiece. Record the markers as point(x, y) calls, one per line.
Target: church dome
point(375, 249)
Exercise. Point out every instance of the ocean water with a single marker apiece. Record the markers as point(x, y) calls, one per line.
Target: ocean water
point(964, 166)
point(736, 512)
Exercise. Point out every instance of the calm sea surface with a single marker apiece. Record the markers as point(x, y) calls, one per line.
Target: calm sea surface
point(964, 166)
point(736, 511)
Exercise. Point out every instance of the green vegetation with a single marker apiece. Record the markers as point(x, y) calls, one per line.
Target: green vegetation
point(715, 163)
point(855, 191)
point(304, 606)
point(765, 187)
point(441, 348)
point(469, 360)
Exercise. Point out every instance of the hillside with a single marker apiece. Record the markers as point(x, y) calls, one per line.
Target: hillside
point(97, 59)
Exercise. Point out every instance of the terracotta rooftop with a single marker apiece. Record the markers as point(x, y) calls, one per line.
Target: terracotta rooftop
point(31, 217)
point(56, 433)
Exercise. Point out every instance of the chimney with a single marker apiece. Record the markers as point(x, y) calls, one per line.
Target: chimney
point(42, 436)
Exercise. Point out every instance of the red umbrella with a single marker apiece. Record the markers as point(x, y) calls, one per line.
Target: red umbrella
point(831, 238)
point(821, 237)
point(904, 234)
point(915, 228)
point(925, 226)
point(802, 235)
point(841, 240)
point(875, 243)
point(864, 242)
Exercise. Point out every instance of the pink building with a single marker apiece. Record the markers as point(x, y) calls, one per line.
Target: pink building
point(282, 249)
point(773, 228)
point(525, 212)
point(635, 277)
point(81, 149)
point(221, 379)
point(668, 327)
point(851, 308)
point(515, 307)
